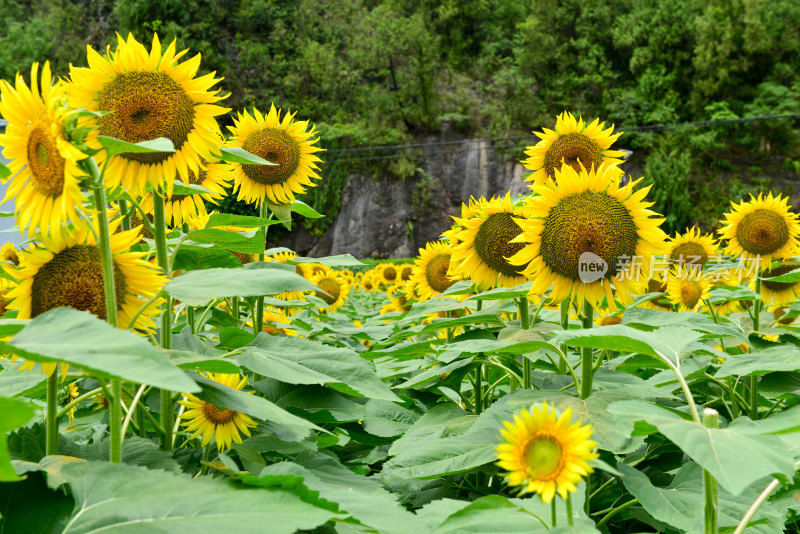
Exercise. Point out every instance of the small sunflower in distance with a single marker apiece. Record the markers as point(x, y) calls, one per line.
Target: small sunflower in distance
point(545, 453)
point(762, 229)
point(287, 143)
point(688, 287)
point(44, 164)
point(482, 244)
point(212, 421)
point(587, 217)
point(573, 143)
point(691, 248)
point(335, 289)
point(778, 293)
point(432, 272)
point(151, 95)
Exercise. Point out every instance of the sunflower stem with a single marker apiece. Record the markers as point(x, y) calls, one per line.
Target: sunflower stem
point(753, 379)
point(524, 321)
point(236, 310)
point(190, 318)
point(568, 502)
point(553, 513)
point(160, 235)
point(710, 487)
point(586, 355)
point(126, 217)
point(258, 320)
point(565, 304)
point(478, 389)
point(772, 486)
point(51, 444)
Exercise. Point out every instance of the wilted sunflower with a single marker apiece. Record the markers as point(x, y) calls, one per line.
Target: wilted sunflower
point(145, 96)
point(212, 421)
point(688, 287)
point(432, 274)
point(545, 453)
point(44, 164)
point(483, 244)
point(763, 228)
point(778, 293)
point(335, 289)
point(573, 143)
point(66, 270)
point(587, 218)
point(179, 209)
point(691, 248)
point(287, 143)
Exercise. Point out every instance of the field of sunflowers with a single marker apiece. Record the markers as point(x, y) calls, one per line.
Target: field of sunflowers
point(555, 362)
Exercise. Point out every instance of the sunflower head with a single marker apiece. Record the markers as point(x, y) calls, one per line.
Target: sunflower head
point(147, 95)
point(573, 143)
point(688, 287)
point(432, 270)
point(583, 231)
point(691, 248)
point(778, 293)
point(544, 452)
point(762, 229)
point(334, 289)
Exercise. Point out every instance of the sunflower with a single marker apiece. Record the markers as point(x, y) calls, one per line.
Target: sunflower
point(691, 248)
point(778, 293)
point(398, 299)
point(334, 289)
point(9, 253)
point(277, 322)
point(212, 421)
point(761, 230)
point(369, 282)
point(483, 244)
point(44, 164)
point(657, 285)
point(585, 219)
point(72, 394)
point(151, 95)
point(688, 287)
point(387, 273)
point(287, 143)
point(185, 208)
point(573, 143)
point(405, 272)
point(546, 453)
point(432, 274)
point(66, 270)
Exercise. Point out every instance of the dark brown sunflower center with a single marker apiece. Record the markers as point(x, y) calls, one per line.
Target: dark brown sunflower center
point(778, 286)
point(572, 148)
point(690, 252)
point(218, 416)
point(3, 302)
point(74, 278)
point(436, 273)
point(762, 232)
point(492, 243)
point(544, 458)
point(405, 274)
point(275, 146)
point(589, 221)
point(611, 319)
point(331, 287)
point(45, 163)
point(146, 105)
point(390, 274)
point(243, 257)
point(690, 293)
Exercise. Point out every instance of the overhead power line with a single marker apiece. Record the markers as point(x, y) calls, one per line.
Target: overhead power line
point(379, 151)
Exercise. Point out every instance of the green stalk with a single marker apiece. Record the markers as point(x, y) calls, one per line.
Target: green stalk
point(524, 320)
point(190, 318)
point(160, 235)
point(753, 379)
point(568, 502)
point(586, 355)
point(553, 514)
point(478, 389)
point(109, 288)
point(710, 487)
point(236, 310)
point(565, 304)
point(51, 444)
point(258, 322)
point(126, 217)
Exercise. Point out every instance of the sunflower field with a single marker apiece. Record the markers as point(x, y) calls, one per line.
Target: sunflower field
point(556, 362)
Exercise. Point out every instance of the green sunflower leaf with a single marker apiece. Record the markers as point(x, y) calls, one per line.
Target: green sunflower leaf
point(5, 172)
point(237, 154)
point(229, 219)
point(114, 146)
point(301, 208)
point(342, 260)
point(86, 342)
point(180, 188)
point(248, 242)
point(125, 498)
point(198, 287)
point(15, 414)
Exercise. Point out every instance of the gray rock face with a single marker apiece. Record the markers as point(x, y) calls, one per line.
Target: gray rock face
point(376, 211)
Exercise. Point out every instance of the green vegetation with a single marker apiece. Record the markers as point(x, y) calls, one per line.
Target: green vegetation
point(370, 72)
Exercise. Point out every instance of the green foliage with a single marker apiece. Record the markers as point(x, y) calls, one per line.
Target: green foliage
point(667, 170)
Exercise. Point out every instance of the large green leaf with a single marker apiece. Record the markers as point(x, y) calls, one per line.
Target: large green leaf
point(81, 339)
point(115, 146)
point(198, 287)
point(249, 242)
point(246, 221)
point(194, 257)
point(717, 450)
point(342, 260)
point(681, 503)
point(119, 498)
point(301, 208)
point(30, 507)
point(784, 357)
point(225, 397)
point(15, 414)
point(669, 342)
point(235, 154)
point(16, 383)
point(387, 419)
point(302, 361)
